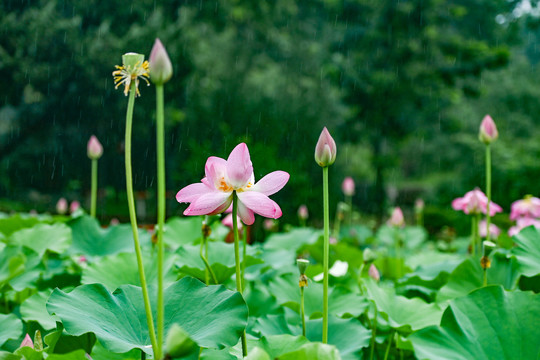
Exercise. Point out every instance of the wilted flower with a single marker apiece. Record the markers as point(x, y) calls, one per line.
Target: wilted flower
point(348, 186)
point(94, 150)
point(160, 65)
point(27, 341)
point(62, 206)
point(522, 223)
point(325, 150)
point(215, 192)
point(475, 202)
point(374, 273)
point(396, 219)
point(134, 68)
point(303, 212)
point(488, 130)
point(74, 206)
point(493, 229)
point(526, 207)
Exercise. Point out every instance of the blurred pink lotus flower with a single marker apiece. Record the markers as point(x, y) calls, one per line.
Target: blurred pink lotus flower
point(526, 207)
point(493, 229)
point(475, 202)
point(332, 240)
point(27, 341)
point(488, 130)
point(396, 219)
point(82, 259)
point(348, 186)
point(114, 221)
point(269, 224)
point(215, 192)
point(325, 150)
point(374, 273)
point(62, 206)
point(228, 221)
point(303, 212)
point(160, 67)
point(522, 223)
point(94, 150)
point(74, 206)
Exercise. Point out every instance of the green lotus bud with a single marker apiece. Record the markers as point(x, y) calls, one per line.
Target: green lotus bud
point(178, 343)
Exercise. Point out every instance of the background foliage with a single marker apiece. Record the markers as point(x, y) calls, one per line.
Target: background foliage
point(402, 86)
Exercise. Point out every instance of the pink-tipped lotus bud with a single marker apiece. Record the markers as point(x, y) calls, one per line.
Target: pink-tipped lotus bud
point(397, 218)
point(94, 148)
point(27, 342)
point(74, 206)
point(325, 151)
point(348, 186)
point(488, 130)
point(161, 68)
point(419, 205)
point(303, 212)
point(374, 273)
point(62, 206)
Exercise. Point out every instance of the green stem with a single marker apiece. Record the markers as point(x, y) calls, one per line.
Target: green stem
point(478, 240)
point(237, 261)
point(93, 193)
point(397, 239)
point(302, 311)
point(206, 263)
point(389, 345)
point(484, 282)
point(348, 200)
point(373, 335)
point(133, 219)
point(474, 228)
point(325, 254)
point(244, 252)
point(488, 190)
point(160, 144)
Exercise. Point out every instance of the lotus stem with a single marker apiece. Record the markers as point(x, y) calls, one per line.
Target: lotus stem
point(93, 192)
point(488, 190)
point(325, 254)
point(237, 261)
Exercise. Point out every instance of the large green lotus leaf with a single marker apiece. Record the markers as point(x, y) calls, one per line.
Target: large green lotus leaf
point(91, 240)
point(340, 301)
point(220, 257)
point(259, 300)
point(348, 335)
point(43, 237)
point(403, 314)
point(412, 237)
point(469, 276)
point(27, 353)
point(4, 355)
point(34, 309)
point(119, 269)
point(12, 264)
point(10, 327)
point(312, 351)
point(212, 315)
point(100, 353)
point(489, 323)
point(186, 231)
point(527, 251)
point(268, 325)
point(9, 225)
point(293, 239)
point(277, 345)
point(20, 268)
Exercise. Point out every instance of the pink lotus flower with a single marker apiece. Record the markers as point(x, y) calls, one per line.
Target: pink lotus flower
point(374, 273)
point(397, 218)
point(269, 224)
point(74, 206)
point(526, 207)
point(27, 341)
point(325, 150)
point(348, 186)
point(494, 230)
point(228, 222)
point(62, 206)
point(475, 202)
point(160, 65)
point(303, 212)
point(522, 223)
point(215, 192)
point(488, 130)
point(94, 150)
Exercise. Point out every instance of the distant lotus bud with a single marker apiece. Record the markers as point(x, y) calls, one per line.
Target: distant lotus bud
point(27, 342)
point(419, 205)
point(269, 224)
point(348, 186)
point(325, 151)
point(488, 130)
point(303, 212)
point(178, 343)
point(369, 255)
point(94, 149)
point(374, 273)
point(62, 206)
point(74, 206)
point(114, 222)
point(397, 218)
point(161, 68)
point(302, 265)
